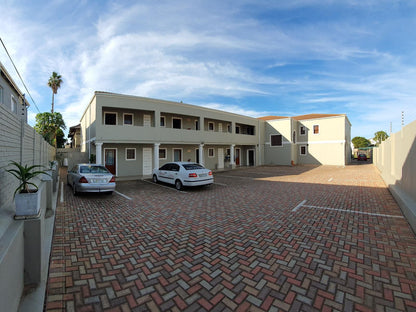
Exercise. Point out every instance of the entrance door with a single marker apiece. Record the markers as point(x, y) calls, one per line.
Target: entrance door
point(110, 159)
point(147, 160)
point(197, 155)
point(250, 157)
point(237, 156)
point(177, 154)
point(220, 158)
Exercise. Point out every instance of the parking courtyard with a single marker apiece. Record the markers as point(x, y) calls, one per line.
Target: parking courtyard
point(302, 238)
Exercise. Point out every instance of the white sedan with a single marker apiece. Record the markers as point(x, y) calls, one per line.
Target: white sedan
point(183, 174)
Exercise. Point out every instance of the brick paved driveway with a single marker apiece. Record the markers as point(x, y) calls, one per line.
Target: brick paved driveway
point(261, 239)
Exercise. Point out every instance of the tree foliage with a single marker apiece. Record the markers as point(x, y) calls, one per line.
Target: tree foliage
point(360, 142)
point(50, 126)
point(54, 82)
point(380, 136)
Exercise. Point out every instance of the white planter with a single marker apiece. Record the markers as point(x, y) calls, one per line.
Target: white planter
point(27, 204)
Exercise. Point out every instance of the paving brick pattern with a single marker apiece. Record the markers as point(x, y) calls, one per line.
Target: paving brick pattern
point(237, 245)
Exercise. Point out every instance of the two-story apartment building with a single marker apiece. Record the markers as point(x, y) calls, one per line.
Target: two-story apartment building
point(307, 139)
point(11, 96)
point(131, 135)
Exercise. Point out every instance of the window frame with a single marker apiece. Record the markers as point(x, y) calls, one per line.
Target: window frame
point(126, 153)
point(303, 146)
point(124, 119)
point(105, 113)
point(304, 130)
point(13, 104)
point(176, 118)
point(165, 151)
point(237, 129)
point(211, 149)
point(281, 140)
point(213, 126)
point(164, 121)
point(313, 129)
point(1, 94)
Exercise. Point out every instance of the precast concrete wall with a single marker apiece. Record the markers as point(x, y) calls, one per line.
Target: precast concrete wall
point(396, 160)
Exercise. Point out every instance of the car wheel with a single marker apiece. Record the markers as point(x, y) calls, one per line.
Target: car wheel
point(178, 185)
point(74, 190)
point(155, 180)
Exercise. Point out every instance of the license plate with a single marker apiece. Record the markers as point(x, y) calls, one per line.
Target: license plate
point(203, 175)
point(98, 180)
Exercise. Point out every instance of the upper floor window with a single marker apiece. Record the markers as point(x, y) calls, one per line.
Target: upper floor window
point(176, 123)
point(14, 104)
point(1, 95)
point(196, 124)
point(237, 129)
point(162, 121)
point(316, 129)
point(130, 154)
point(128, 119)
point(250, 130)
point(229, 128)
point(302, 130)
point(211, 152)
point(276, 140)
point(211, 126)
point(110, 118)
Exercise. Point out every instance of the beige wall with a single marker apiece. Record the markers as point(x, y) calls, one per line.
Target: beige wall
point(396, 159)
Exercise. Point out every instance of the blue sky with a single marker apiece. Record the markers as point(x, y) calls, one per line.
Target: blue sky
point(256, 58)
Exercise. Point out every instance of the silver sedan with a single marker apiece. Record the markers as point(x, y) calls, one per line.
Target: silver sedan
point(91, 178)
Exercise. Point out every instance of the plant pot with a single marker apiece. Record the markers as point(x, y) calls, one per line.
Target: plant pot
point(27, 204)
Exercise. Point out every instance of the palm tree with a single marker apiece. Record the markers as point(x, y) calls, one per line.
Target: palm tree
point(54, 83)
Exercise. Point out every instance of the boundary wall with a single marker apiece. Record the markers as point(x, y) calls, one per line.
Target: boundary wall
point(21, 241)
point(395, 158)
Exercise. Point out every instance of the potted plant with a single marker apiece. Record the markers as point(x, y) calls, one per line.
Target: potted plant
point(27, 200)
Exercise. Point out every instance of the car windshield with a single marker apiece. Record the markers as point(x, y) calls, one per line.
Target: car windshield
point(93, 169)
point(193, 166)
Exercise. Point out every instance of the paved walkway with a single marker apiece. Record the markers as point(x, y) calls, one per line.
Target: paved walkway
point(260, 239)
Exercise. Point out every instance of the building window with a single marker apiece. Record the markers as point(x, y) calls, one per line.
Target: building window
point(303, 150)
point(237, 129)
point(162, 121)
point(229, 128)
point(302, 130)
point(276, 140)
point(211, 152)
point(162, 153)
point(250, 130)
point(128, 119)
point(14, 104)
point(176, 123)
point(196, 124)
point(316, 129)
point(210, 126)
point(130, 154)
point(110, 118)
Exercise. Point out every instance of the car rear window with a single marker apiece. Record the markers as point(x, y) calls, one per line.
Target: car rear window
point(193, 166)
point(93, 169)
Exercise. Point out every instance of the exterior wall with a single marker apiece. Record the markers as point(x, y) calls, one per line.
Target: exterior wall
point(72, 155)
point(9, 91)
point(396, 160)
point(278, 155)
point(330, 145)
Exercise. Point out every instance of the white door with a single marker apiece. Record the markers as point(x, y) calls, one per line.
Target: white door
point(220, 158)
point(147, 161)
point(147, 120)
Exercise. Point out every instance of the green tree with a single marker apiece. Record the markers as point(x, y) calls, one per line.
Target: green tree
point(380, 136)
point(360, 142)
point(60, 139)
point(54, 83)
point(50, 125)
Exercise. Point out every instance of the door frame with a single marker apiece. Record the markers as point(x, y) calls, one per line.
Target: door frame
point(173, 153)
point(239, 156)
point(248, 157)
point(151, 160)
point(115, 158)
